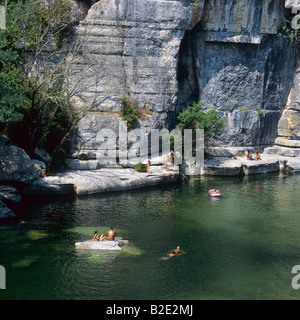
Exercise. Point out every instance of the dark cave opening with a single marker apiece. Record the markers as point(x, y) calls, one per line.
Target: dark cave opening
point(188, 71)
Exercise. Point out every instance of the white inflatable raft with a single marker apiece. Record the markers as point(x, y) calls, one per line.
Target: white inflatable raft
point(101, 245)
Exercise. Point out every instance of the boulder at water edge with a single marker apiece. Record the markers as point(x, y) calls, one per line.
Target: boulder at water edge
point(16, 166)
point(5, 212)
point(9, 194)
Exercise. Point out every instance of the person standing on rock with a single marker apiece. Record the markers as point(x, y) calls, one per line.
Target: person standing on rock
point(171, 157)
point(111, 234)
point(148, 166)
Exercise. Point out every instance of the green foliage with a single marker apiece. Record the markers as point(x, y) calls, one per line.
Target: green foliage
point(140, 167)
point(285, 32)
point(240, 153)
point(83, 157)
point(195, 2)
point(194, 118)
point(260, 111)
point(242, 109)
point(38, 108)
point(12, 95)
point(11, 102)
point(129, 114)
point(62, 22)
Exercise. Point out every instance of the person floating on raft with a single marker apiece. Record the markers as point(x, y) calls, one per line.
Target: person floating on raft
point(214, 193)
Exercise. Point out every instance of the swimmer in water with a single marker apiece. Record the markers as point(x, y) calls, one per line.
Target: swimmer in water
point(175, 252)
point(178, 250)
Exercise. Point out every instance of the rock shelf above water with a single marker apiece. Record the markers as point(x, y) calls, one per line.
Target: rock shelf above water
point(109, 179)
point(224, 166)
point(102, 180)
point(101, 245)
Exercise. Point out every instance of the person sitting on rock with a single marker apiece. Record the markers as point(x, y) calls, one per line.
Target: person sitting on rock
point(111, 234)
point(257, 156)
point(103, 237)
point(96, 237)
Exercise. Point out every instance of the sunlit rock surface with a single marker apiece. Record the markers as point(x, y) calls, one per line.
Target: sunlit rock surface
point(102, 180)
point(101, 245)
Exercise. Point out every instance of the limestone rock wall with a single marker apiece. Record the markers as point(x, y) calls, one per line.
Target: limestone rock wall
point(287, 142)
point(167, 54)
point(136, 45)
point(234, 61)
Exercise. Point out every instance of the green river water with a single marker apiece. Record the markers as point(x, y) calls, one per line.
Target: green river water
point(242, 246)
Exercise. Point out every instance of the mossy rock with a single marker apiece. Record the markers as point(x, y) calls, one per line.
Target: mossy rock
point(25, 262)
point(37, 234)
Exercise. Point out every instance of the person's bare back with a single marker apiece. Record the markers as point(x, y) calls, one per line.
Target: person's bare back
point(111, 234)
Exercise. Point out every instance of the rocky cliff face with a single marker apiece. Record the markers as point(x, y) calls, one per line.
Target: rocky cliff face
point(236, 63)
point(167, 54)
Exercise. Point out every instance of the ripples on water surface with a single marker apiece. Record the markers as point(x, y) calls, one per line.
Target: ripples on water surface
point(242, 246)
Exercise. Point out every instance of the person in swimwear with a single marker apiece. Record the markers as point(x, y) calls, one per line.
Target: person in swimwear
point(103, 237)
point(97, 238)
point(111, 234)
point(169, 255)
point(148, 166)
point(172, 254)
point(175, 252)
point(178, 250)
point(172, 157)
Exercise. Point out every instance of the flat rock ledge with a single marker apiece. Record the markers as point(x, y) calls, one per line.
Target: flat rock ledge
point(224, 166)
point(84, 182)
point(101, 245)
point(102, 180)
